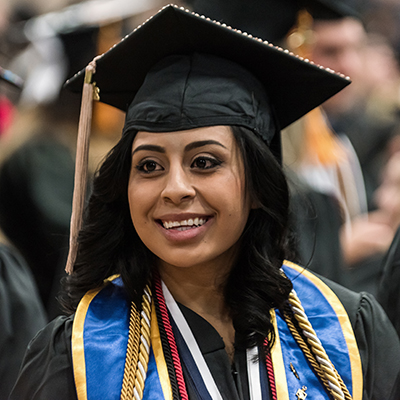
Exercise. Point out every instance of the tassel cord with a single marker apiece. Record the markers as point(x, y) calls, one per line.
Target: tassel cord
point(81, 164)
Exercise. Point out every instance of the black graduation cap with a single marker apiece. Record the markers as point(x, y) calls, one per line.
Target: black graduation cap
point(270, 19)
point(180, 70)
point(332, 9)
point(294, 86)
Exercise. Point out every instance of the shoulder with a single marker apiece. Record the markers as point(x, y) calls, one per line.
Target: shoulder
point(377, 341)
point(310, 282)
point(362, 308)
point(358, 305)
point(56, 335)
point(46, 371)
point(352, 302)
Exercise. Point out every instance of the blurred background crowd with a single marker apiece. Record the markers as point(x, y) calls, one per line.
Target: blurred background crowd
point(342, 159)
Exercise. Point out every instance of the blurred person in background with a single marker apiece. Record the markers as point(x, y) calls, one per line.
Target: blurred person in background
point(7, 108)
point(387, 198)
point(21, 311)
point(344, 45)
point(382, 17)
point(37, 168)
point(21, 314)
point(9, 46)
point(359, 137)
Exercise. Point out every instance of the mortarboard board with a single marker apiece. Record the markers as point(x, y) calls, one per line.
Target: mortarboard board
point(177, 47)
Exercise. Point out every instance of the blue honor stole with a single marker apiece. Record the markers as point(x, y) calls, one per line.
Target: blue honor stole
point(332, 326)
point(99, 342)
point(101, 328)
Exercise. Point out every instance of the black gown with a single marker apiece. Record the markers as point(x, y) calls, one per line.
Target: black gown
point(36, 186)
point(389, 288)
point(316, 222)
point(21, 315)
point(47, 371)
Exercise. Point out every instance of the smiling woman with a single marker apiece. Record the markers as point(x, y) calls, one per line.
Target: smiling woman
point(180, 288)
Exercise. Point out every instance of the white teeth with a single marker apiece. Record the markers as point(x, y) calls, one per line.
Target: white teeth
point(185, 224)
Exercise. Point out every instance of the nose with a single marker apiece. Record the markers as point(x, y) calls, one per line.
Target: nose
point(178, 185)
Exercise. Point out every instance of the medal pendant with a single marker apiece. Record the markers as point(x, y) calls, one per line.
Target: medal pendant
point(301, 393)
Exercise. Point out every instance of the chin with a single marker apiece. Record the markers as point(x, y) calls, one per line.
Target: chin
point(181, 262)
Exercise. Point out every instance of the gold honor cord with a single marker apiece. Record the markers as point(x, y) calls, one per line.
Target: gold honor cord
point(325, 369)
point(138, 350)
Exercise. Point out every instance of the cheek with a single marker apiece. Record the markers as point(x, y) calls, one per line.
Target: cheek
point(140, 202)
point(227, 190)
point(234, 203)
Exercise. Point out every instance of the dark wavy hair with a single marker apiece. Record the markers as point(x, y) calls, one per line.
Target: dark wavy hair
point(109, 244)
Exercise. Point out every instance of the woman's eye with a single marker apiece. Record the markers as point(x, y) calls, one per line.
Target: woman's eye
point(205, 163)
point(148, 166)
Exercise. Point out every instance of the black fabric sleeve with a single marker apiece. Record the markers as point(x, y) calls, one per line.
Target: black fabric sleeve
point(46, 371)
point(379, 348)
point(377, 341)
point(389, 289)
point(21, 315)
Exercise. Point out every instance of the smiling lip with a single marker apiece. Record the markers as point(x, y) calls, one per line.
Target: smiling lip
point(183, 227)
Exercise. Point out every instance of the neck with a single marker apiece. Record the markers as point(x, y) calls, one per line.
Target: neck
point(201, 289)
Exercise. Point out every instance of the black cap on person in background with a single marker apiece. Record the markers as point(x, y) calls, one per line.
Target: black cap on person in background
point(270, 19)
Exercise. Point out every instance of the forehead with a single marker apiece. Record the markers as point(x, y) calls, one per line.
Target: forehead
point(339, 32)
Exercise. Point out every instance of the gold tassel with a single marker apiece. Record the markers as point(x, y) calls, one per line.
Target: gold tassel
point(90, 92)
point(323, 147)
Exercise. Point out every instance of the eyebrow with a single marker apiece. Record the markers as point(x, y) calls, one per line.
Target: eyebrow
point(149, 147)
point(190, 146)
point(201, 143)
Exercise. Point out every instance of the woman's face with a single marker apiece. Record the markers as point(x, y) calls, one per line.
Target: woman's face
point(187, 195)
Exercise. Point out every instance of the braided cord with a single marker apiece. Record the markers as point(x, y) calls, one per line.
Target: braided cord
point(306, 350)
point(132, 354)
point(167, 352)
point(171, 340)
point(336, 386)
point(270, 370)
point(137, 355)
